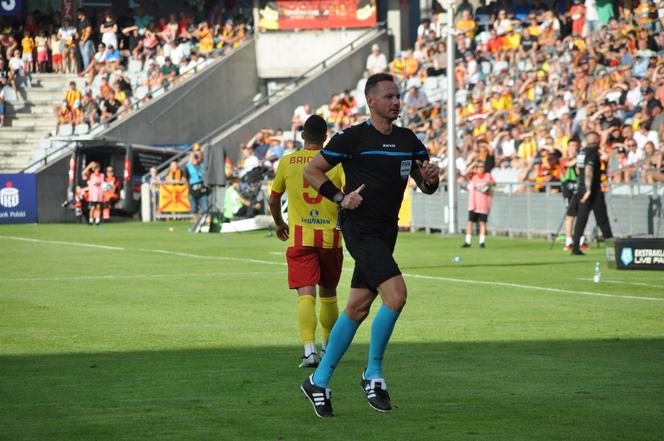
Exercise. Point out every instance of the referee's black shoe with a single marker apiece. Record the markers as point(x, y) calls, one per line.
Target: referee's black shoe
point(320, 397)
point(577, 252)
point(376, 391)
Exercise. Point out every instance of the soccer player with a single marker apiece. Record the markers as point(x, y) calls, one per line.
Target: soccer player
point(314, 254)
point(377, 158)
point(590, 192)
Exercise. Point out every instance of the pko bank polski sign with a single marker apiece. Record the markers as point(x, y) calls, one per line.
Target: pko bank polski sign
point(18, 198)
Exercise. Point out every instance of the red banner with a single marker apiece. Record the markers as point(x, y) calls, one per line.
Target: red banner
point(67, 8)
point(320, 14)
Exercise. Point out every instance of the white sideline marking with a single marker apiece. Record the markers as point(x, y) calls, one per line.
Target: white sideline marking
point(534, 287)
point(133, 276)
point(201, 256)
point(622, 282)
point(61, 242)
point(268, 262)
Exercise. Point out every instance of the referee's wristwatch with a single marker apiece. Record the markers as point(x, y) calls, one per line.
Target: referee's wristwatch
point(339, 197)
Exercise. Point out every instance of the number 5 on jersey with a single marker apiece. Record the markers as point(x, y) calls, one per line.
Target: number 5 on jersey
point(306, 194)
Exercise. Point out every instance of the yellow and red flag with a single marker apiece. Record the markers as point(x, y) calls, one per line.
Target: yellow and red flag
point(174, 198)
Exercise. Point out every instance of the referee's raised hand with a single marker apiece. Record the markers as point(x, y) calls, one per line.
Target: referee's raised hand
point(428, 170)
point(353, 199)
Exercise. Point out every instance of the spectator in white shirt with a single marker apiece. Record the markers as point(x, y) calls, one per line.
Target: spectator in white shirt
point(376, 61)
point(644, 134)
point(300, 115)
point(634, 96)
point(249, 160)
point(415, 98)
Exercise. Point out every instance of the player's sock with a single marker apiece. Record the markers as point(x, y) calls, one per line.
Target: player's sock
point(306, 316)
point(569, 241)
point(309, 348)
point(482, 238)
point(469, 238)
point(329, 311)
point(341, 336)
point(381, 330)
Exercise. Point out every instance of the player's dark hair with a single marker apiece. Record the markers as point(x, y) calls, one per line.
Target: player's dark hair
point(315, 129)
point(374, 79)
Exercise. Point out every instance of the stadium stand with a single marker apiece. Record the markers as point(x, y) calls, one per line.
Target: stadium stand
point(528, 81)
point(117, 64)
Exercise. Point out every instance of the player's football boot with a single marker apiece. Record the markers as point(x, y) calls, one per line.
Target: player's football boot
point(320, 397)
point(482, 245)
point(376, 392)
point(310, 361)
point(465, 245)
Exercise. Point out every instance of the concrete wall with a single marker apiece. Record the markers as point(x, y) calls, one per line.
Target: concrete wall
point(344, 74)
point(287, 54)
point(52, 191)
point(194, 109)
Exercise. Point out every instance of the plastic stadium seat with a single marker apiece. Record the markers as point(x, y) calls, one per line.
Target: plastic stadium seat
point(430, 83)
point(82, 129)
point(134, 65)
point(141, 92)
point(461, 97)
point(66, 130)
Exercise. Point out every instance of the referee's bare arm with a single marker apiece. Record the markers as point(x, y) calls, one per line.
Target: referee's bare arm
point(426, 176)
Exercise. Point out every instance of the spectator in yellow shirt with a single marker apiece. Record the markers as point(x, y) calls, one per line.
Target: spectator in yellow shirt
point(28, 44)
point(467, 25)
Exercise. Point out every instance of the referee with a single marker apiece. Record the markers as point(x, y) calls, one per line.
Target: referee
point(591, 197)
point(377, 158)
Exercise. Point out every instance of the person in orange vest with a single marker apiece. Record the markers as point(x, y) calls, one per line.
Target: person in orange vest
point(111, 192)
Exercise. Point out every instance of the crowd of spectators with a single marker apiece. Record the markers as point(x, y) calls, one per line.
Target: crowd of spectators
point(124, 59)
point(530, 83)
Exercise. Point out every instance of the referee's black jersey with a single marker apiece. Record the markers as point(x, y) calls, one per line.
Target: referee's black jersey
point(381, 162)
point(589, 157)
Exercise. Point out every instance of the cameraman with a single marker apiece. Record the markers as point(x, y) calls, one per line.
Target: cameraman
point(237, 204)
point(569, 184)
point(194, 171)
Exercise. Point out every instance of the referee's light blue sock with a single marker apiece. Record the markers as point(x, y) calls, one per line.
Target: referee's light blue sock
point(381, 330)
point(341, 335)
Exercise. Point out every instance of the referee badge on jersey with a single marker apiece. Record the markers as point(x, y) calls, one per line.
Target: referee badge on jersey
point(405, 168)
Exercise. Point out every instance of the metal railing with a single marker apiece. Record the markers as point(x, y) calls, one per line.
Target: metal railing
point(633, 209)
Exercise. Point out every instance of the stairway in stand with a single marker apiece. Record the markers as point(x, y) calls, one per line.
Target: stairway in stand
point(31, 119)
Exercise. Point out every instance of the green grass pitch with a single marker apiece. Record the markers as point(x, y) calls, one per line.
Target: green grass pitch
point(152, 334)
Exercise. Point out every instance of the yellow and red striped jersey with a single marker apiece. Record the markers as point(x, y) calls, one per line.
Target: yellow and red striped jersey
point(72, 96)
point(312, 219)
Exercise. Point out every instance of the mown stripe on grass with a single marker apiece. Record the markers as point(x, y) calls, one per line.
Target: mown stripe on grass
point(138, 276)
point(533, 287)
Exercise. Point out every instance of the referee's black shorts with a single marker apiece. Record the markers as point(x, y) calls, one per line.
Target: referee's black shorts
point(371, 245)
